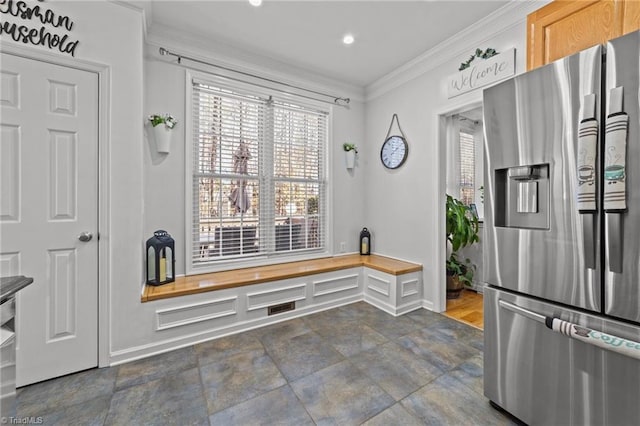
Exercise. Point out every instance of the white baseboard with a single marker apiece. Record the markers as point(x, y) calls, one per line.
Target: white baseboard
point(427, 304)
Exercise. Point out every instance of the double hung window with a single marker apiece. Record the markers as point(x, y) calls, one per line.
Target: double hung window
point(465, 166)
point(257, 173)
point(467, 147)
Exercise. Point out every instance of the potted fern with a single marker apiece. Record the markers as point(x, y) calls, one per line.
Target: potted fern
point(462, 230)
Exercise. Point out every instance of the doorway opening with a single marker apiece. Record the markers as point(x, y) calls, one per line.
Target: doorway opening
point(464, 182)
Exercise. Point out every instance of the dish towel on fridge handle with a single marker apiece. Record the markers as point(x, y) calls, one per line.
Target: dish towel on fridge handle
point(615, 192)
point(587, 173)
point(615, 154)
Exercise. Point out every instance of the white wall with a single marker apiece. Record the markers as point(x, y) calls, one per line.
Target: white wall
point(164, 197)
point(348, 186)
point(405, 208)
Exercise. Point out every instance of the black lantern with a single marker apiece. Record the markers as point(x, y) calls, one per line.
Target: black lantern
point(365, 242)
point(161, 261)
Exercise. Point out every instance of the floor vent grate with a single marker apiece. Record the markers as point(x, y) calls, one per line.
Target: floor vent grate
point(283, 307)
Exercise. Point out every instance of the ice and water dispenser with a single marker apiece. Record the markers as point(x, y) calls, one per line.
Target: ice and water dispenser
point(522, 197)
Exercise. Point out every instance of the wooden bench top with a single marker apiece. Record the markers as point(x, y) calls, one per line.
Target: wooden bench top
point(241, 277)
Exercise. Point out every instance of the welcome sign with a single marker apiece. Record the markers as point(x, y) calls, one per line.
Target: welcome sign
point(483, 72)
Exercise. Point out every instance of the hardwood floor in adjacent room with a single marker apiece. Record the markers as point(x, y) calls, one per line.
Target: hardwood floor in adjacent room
point(467, 308)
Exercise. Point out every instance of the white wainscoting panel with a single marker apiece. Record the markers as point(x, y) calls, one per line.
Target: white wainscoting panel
point(195, 312)
point(409, 287)
point(409, 296)
point(379, 289)
point(379, 285)
point(339, 284)
point(265, 298)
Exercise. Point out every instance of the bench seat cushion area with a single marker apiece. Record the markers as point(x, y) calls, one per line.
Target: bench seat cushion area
point(247, 276)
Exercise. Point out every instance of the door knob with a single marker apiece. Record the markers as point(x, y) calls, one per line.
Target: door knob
point(85, 236)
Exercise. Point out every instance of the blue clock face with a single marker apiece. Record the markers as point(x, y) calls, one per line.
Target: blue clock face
point(394, 152)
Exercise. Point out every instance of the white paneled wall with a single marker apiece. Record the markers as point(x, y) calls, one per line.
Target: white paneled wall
point(186, 320)
point(394, 294)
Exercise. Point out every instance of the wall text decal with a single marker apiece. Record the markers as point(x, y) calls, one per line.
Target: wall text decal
point(482, 73)
point(35, 34)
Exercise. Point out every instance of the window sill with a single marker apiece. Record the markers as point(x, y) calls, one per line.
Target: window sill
point(241, 263)
point(202, 283)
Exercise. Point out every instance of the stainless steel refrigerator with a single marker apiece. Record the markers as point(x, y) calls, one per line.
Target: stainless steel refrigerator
point(562, 239)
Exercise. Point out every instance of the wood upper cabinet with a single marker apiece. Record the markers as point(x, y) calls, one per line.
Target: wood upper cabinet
point(631, 16)
point(562, 28)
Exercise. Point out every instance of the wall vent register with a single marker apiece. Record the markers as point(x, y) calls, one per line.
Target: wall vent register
point(280, 308)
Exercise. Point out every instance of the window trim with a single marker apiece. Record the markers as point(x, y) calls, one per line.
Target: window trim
point(259, 260)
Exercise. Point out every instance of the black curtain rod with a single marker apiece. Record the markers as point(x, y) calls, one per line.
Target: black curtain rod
point(336, 99)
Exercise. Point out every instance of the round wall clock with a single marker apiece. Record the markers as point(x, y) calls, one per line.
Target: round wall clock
point(394, 152)
point(395, 149)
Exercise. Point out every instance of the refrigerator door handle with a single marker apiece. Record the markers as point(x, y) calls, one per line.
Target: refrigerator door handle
point(615, 159)
point(522, 311)
point(614, 241)
point(589, 240)
point(592, 337)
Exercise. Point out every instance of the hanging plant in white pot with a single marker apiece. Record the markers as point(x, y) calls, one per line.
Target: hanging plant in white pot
point(350, 151)
point(162, 130)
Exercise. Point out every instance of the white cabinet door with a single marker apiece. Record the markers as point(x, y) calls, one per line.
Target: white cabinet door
point(48, 197)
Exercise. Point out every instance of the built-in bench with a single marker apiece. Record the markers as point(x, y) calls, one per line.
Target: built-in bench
point(197, 308)
point(202, 283)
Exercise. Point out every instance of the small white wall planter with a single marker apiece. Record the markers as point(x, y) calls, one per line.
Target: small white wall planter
point(162, 128)
point(350, 159)
point(350, 151)
point(162, 135)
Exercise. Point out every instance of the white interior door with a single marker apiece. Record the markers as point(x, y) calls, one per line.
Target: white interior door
point(48, 198)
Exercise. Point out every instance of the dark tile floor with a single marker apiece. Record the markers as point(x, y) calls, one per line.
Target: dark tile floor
point(347, 366)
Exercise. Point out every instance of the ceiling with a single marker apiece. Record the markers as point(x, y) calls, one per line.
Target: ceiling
point(308, 34)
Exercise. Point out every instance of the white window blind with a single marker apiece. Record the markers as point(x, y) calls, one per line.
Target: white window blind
point(467, 167)
point(258, 176)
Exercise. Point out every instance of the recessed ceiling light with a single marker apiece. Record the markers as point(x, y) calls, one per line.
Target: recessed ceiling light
point(348, 39)
point(255, 3)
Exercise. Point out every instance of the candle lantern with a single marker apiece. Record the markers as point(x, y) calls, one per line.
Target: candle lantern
point(161, 261)
point(365, 241)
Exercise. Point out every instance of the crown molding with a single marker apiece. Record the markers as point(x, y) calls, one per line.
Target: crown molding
point(245, 61)
point(503, 19)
